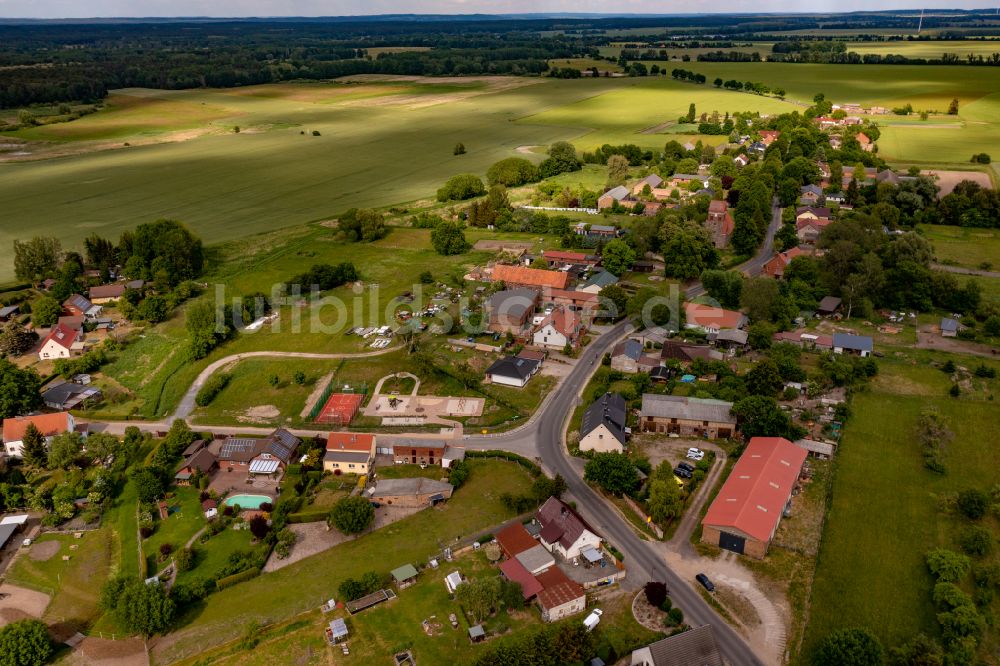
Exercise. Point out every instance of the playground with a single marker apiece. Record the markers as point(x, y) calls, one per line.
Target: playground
point(394, 406)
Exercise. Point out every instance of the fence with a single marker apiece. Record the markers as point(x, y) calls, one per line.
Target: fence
point(588, 211)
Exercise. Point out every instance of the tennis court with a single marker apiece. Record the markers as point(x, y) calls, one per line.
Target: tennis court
point(340, 408)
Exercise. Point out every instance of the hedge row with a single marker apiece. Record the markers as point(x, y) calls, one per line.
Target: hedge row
point(211, 388)
point(529, 465)
point(229, 581)
point(313, 516)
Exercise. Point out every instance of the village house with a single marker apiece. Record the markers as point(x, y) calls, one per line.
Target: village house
point(108, 293)
point(856, 345)
point(413, 492)
point(628, 356)
point(520, 276)
point(596, 231)
point(512, 371)
point(79, 306)
point(653, 181)
point(564, 532)
point(813, 213)
point(61, 342)
point(712, 319)
point(510, 311)
point(867, 144)
point(682, 180)
point(745, 514)
point(349, 453)
point(730, 338)
point(720, 223)
point(585, 303)
point(49, 425)
point(603, 426)
point(418, 451)
point(616, 195)
point(779, 262)
point(811, 194)
point(741, 160)
point(560, 328)
point(694, 647)
point(202, 461)
point(686, 416)
point(808, 230)
point(769, 136)
point(265, 456)
point(560, 597)
point(687, 352)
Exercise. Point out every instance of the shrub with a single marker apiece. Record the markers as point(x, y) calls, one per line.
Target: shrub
point(973, 503)
point(184, 559)
point(166, 549)
point(229, 581)
point(976, 540)
point(211, 388)
point(512, 172)
point(461, 187)
point(656, 593)
point(676, 615)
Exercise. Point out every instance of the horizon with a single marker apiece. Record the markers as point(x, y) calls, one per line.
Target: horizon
point(110, 10)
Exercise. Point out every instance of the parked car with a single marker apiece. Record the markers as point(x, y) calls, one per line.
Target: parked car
point(686, 465)
point(695, 454)
point(705, 582)
point(683, 473)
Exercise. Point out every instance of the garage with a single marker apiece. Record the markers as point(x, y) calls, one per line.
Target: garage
point(731, 542)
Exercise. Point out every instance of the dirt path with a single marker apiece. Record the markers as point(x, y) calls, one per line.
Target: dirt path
point(681, 541)
point(18, 603)
point(929, 337)
point(965, 271)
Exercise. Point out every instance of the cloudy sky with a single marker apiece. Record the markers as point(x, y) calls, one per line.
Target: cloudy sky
point(218, 8)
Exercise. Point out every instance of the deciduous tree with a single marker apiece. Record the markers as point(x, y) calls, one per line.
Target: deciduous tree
point(352, 515)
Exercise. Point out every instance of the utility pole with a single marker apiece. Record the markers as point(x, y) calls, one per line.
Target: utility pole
point(921, 24)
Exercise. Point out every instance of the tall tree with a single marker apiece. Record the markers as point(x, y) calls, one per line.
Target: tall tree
point(15, 339)
point(33, 447)
point(19, 390)
point(25, 643)
point(37, 258)
point(64, 449)
point(617, 257)
point(617, 170)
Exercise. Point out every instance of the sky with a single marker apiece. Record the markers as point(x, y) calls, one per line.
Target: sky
point(236, 8)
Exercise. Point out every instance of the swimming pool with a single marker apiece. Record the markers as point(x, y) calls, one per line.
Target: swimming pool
point(247, 501)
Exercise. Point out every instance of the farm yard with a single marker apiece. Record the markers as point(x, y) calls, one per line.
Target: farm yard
point(275, 174)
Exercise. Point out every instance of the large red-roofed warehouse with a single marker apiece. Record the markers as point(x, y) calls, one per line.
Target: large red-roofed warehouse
point(745, 514)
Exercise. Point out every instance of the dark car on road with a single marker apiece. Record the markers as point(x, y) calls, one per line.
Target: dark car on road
point(682, 472)
point(686, 465)
point(705, 582)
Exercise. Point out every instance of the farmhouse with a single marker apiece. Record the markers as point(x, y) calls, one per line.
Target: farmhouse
point(711, 319)
point(720, 223)
point(562, 327)
point(78, 306)
point(596, 231)
point(867, 144)
point(418, 451)
point(564, 532)
point(612, 196)
point(520, 276)
point(628, 356)
point(349, 452)
point(603, 425)
point(411, 492)
point(49, 425)
point(745, 514)
point(779, 262)
point(510, 311)
point(584, 302)
point(512, 371)
point(858, 345)
point(560, 597)
point(694, 647)
point(687, 416)
point(61, 342)
point(202, 461)
point(686, 353)
point(652, 180)
point(810, 194)
point(560, 258)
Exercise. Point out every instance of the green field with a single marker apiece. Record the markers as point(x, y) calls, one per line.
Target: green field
point(885, 511)
point(934, 49)
point(963, 246)
point(308, 583)
point(390, 142)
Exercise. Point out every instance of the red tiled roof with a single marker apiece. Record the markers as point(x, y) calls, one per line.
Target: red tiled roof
point(558, 588)
point(754, 496)
point(515, 539)
point(514, 571)
point(699, 314)
point(349, 441)
point(107, 291)
point(728, 224)
point(572, 257)
point(776, 266)
point(863, 139)
point(565, 321)
point(62, 335)
point(530, 276)
point(808, 222)
point(47, 424)
point(717, 206)
point(575, 296)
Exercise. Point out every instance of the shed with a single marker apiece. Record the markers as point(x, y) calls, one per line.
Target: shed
point(337, 631)
point(828, 306)
point(950, 327)
point(476, 633)
point(452, 581)
point(405, 575)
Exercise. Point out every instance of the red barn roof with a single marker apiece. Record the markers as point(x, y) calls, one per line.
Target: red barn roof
point(62, 335)
point(532, 277)
point(515, 572)
point(47, 424)
point(754, 496)
point(349, 441)
point(515, 539)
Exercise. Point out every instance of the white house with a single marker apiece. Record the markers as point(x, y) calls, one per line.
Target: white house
point(49, 425)
point(564, 532)
point(59, 343)
point(561, 327)
point(603, 425)
point(512, 371)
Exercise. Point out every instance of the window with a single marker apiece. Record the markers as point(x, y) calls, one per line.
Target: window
point(351, 466)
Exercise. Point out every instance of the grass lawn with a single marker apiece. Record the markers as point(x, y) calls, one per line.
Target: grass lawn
point(410, 472)
point(927, 49)
point(331, 490)
point(212, 556)
point(75, 583)
point(185, 519)
point(308, 583)
point(871, 572)
point(963, 246)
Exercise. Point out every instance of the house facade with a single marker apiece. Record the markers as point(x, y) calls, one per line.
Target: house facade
point(59, 343)
point(418, 452)
point(49, 425)
point(560, 328)
point(685, 416)
point(349, 453)
point(603, 425)
point(513, 371)
point(564, 532)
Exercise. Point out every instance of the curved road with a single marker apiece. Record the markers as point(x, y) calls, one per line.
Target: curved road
point(545, 434)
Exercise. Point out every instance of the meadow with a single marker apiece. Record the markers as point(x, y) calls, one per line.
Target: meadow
point(933, 49)
point(885, 511)
point(389, 141)
point(963, 246)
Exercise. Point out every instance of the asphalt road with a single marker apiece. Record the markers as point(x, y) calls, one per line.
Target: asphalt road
point(545, 434)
